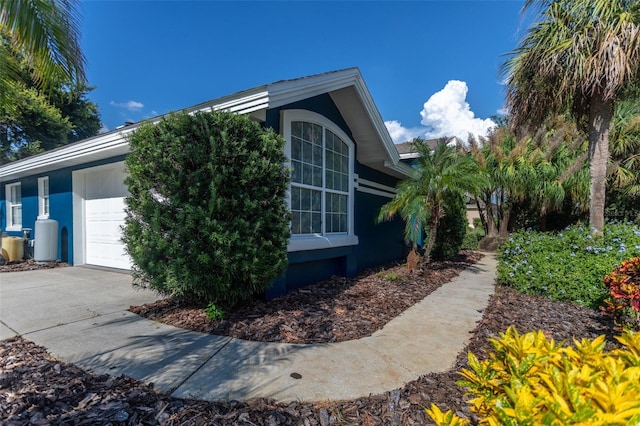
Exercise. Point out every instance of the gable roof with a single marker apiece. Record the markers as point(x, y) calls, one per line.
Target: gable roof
point(346, 88)
point(406, 149)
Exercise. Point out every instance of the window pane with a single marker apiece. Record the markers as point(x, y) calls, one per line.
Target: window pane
point(296, 172)
point(316, 201)
point(16, 215)
point(16, 194)
point(330, 180)
point(329, 142)
point(295, 198)
point(317, 155)
point(307, 174)
point(295, 223)
point(336, 212)
point(316, 223)
point(305, 223)
point(345, 183)
point(45, 206)
point(307, 152)
point(296, 128)
point(305, 199)
point(45, 187)
point(307, 211)
point(296, 148)
point(317, 176)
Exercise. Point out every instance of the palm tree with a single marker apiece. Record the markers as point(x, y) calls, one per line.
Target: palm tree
point(532, 174)
point(444, 173)
point(45, 34)
point(581, 56)
point(625, 148)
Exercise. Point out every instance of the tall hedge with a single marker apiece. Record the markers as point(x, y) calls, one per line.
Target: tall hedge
point(206, 216)
point(451, 230)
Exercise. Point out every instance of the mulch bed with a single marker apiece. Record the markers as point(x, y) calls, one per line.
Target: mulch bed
point(335, 310)
point(35, 388)
point(29, 265)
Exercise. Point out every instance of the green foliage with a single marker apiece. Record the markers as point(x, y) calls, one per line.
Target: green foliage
point(624, 181)
point(46, 34)
point(581, 56)
point(30, 125)
point(532, 176)
point(391, 276)
point(531, 380)
point(623, 285)
point(451, 229)
point(444, 175)
point(81, 112)
point(207, 219)
point(214, 312)
point(471, 238)
point(567, 265)
point(36, 121)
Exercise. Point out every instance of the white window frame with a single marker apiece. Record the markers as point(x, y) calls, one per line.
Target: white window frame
point(11, 204)
point(302, 242)
point(44, 208)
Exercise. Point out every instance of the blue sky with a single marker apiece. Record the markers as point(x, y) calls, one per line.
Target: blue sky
point(150, 57)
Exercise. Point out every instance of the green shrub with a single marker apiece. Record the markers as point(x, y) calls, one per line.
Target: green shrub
point(451, 229)
point(207, 219)
point(567, 265)
point(531, 380)
point(471, 238)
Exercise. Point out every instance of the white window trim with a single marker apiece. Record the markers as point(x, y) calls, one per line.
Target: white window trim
point(41, 197)
point(7, 190)
point(329, 240)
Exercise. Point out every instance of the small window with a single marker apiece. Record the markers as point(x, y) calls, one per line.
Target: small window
point(14, 206)
point(43, 197)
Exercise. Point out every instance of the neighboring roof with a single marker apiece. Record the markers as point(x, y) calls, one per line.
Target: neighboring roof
point(346, 87)
point(406, 149)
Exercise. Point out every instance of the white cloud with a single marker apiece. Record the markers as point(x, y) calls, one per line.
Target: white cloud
point(445, 114)
point(103, 128)
point(401, 134)
point(129, 105)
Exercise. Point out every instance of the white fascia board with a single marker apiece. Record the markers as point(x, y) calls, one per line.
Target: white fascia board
point(96, 148)
point(115, 143)
point(409, 155)
point(381, 128)
point(289, 91)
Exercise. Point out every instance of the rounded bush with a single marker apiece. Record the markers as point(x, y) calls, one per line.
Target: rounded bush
point(207, 219)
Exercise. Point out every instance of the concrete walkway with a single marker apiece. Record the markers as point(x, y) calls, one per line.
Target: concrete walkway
point(80, 315)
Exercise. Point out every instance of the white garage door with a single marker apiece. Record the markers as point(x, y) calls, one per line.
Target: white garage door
point(104, 217)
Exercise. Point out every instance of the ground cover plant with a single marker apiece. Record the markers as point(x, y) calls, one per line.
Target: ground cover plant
point(531, 379)
point(569, 265)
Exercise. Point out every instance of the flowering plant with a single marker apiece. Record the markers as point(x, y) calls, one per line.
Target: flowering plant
point(623, 285)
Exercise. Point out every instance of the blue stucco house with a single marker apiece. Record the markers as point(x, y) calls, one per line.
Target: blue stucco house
point(334, 205)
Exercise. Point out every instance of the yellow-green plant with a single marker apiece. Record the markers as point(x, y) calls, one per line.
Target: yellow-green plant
point(531, 380)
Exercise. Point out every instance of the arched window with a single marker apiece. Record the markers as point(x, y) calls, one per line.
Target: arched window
point(321, 194)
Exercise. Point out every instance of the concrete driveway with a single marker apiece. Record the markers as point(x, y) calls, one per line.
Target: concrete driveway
point(32, 301)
